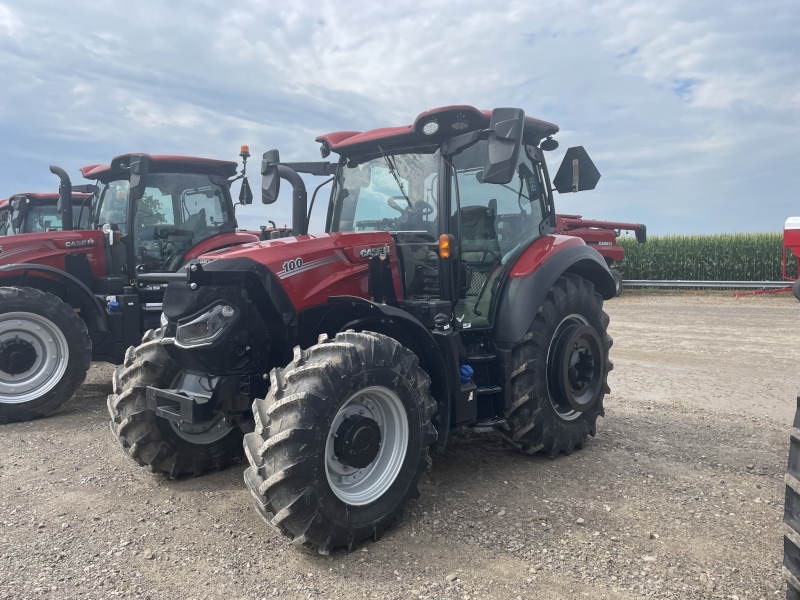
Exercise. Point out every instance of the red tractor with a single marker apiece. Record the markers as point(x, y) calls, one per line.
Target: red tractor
point(72, 295)
point(438, 298)
point(602, 236)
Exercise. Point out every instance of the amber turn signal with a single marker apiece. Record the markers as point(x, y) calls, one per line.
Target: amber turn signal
point(444, 246)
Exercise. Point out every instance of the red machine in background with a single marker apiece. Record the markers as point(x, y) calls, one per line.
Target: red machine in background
point(791, 243)
point(602, 236)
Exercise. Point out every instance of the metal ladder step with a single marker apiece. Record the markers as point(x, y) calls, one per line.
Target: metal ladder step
point(492, 389)
point(480, 358)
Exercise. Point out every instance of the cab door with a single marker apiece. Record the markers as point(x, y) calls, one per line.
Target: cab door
point(491, 223)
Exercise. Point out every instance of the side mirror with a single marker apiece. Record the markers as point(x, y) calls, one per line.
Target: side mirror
point(271, 180)
point(577, 172)
point(139, 167)
point(505, 139)
point(245, 193)
point(19, 210)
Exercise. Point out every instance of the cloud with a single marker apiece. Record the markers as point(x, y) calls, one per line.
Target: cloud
point(689, 109)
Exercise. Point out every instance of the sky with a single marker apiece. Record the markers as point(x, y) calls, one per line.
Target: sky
point(690, 110)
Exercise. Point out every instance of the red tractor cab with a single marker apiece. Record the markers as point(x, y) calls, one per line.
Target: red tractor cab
point(78, 291)
point(438, 298)
point(30, 212)
point(602, 236)
point(791, 245)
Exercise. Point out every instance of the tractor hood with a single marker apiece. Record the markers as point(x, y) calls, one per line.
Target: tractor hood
point(50, 248)
point(310, 268)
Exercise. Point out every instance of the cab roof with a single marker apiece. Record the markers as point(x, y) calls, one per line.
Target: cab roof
point(160, 163)
point(452, 120)
point(42, 198)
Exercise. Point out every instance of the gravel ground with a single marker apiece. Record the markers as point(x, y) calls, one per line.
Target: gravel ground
point(680, 495)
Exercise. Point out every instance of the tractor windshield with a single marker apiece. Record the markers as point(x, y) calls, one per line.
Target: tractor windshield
point(176, 212)
point(45, 217)
point(492, 221)
point(395, 192)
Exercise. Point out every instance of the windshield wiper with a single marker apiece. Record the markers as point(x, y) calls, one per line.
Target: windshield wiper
point(393, 171)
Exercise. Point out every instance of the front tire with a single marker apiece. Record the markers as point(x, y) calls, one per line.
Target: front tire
point(796, 288)
point(156, 442)
point(45, 353)
point(559, 371)
point(381, 446)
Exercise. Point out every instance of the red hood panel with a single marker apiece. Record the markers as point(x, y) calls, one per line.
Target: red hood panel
point(311, 268)
point(50, 248)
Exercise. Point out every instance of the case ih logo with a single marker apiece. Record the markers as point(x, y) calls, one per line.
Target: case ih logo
point(370, 252)
point(78, 243)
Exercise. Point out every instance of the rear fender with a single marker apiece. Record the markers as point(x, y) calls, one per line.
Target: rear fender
point(403, 327)
point(522, 297)
point(48, 279)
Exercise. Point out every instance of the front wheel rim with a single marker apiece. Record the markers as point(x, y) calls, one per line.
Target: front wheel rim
point(205, 432)
point(44, 351)
point(360, 486)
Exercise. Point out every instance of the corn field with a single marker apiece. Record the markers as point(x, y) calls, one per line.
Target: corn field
point(725, 257)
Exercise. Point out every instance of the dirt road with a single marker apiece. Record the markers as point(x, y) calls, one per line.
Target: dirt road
point(679, 496)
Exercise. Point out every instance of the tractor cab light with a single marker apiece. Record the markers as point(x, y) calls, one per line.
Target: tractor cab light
point(245, 151)
point(444, 246)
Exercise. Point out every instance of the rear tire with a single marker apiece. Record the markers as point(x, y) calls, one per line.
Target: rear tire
point(791, 514)
point(617, 282)
point(796, 289)
point(541, 417)
point(45, 353)
point(301, 491)
point(153, 441)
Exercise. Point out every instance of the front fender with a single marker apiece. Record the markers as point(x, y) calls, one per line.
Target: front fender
point(91, 301)
point(411, 333)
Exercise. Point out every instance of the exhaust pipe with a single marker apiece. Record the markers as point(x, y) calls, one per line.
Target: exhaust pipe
point(273, 172)
point(64, 198)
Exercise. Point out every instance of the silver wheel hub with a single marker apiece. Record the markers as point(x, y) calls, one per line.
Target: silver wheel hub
point(375, 426)
point(33, 356)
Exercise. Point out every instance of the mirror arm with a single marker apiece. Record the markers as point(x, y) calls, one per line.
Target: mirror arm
point(460, 143)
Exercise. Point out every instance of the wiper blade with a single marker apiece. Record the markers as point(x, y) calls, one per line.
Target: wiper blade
point(393, 171)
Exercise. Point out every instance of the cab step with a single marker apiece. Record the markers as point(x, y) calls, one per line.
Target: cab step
point(476, 358)
point(492, 389)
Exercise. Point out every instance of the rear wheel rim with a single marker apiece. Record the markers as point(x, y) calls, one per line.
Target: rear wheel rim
point(360, 486)
point(35, 352)
point(574, 373)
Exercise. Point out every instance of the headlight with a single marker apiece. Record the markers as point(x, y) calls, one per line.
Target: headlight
point(206, 328)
